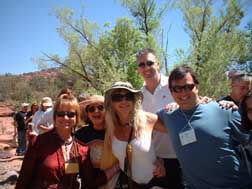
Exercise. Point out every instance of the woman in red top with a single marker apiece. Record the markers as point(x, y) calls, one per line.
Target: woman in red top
point(55, 159)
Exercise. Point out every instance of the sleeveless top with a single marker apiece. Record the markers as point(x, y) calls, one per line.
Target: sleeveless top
point(143, 157)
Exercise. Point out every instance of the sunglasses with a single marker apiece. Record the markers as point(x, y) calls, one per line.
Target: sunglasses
point(92, 109)
point(148, 63)
point(120, 97)
point(186, 88)
point(62, 114)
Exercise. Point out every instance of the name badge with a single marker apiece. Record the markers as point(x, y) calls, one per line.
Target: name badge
point(187, 137)
point(71, 168)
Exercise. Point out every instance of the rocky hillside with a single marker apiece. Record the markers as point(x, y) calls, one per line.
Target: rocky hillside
point(6, 110)
point(51, 73)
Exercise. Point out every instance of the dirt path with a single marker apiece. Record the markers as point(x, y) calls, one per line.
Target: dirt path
point(9, 163)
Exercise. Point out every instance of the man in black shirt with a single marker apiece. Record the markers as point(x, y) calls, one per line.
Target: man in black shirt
point(20, 118)
point(239, 87)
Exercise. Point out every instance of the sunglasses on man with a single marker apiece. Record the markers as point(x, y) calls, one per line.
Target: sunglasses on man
point(92, 109)
point(144, 64)
point(186, 88)
point(120, 97)
point(63, 114)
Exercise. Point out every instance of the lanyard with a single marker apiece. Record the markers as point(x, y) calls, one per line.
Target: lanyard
point(188, 120)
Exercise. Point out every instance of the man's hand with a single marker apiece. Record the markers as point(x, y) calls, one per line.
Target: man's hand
point(205, 99)
point(171, 106)
point(228, 104)
point(160, 169)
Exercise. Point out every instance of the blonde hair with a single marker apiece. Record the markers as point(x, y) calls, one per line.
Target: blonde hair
point(70, 101)
point(137, 116)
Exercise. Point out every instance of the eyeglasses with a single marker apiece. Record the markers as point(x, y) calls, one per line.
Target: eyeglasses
point(62, 114)
point(120, 97)
point(92, 109)
point(148, 63)
point(186, 88)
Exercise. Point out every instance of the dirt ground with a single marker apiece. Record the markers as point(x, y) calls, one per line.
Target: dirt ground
point(9, 163)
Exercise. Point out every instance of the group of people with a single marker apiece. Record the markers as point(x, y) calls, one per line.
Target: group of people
point(27, 123)
point(130, 139)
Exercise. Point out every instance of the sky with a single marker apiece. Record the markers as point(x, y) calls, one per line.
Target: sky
point(29, 27)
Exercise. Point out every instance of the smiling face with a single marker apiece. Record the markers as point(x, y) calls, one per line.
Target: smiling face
point(96, 113)
point(65, 123)
point(186, 98)
point(126, 104)
point(149, 71)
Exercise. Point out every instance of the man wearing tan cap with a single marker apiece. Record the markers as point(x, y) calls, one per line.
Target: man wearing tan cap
point(46, 105)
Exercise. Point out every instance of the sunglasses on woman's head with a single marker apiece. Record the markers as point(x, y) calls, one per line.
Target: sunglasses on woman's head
point(92, 109)
point(120, 97)
point(62, 114)
point(144, 64)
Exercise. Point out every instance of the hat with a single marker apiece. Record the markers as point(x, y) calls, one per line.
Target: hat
point(124, 85)
point(90, 100)
point(46, 101)
point(24, 104)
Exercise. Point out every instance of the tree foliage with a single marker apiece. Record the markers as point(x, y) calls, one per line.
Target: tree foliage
point(98, 59)
point(215, 41)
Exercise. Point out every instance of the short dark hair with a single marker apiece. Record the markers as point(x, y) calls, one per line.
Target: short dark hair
point(146, 50)
point(180, 72)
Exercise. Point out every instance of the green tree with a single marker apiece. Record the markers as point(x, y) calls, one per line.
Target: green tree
point(148, 15)
point(215, 41)
point(249, 41)
point(98, 58)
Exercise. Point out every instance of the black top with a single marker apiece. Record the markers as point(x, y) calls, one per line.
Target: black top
point(228, 98)
point(20, 119)
point(95, 140)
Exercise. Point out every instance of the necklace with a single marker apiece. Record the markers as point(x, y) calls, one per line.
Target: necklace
point(187, 120)
point(69, 141)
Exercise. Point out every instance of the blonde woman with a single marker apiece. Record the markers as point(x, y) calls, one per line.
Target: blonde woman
point(127, 123)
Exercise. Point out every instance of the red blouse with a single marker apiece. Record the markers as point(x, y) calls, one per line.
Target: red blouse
point(43, 166)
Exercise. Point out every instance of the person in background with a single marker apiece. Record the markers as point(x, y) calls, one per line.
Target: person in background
point(156, 96)
point(56, 159)
point(94, 132)
point(129, 135)
point(246, 109)
point(30, 114)
point(45, 123)
point(20, 126)
point(204, 136)
point(239, 87)
point(45, 105)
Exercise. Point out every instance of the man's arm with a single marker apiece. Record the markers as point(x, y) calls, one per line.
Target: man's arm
point(45, 128)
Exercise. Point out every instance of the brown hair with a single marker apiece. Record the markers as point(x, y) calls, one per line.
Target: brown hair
point(180, 72)
point(70, 101)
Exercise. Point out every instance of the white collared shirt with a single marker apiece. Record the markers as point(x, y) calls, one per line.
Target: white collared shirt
point(153, 103)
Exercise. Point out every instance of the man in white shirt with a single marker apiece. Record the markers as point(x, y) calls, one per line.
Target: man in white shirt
point(156, 96)
point(46, 106)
